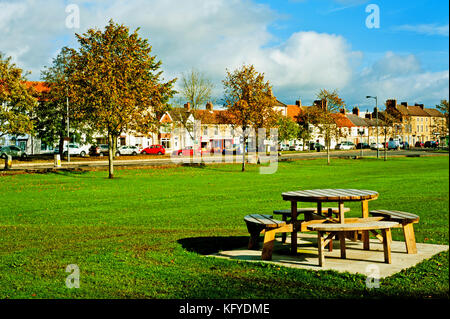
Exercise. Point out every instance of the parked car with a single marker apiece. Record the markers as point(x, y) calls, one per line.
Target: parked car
point(393, 144)
point(235, 150)
point(362, 146)
point(316, 146)
point(12, 150)
point(419, 144)
point(127, 150)
point(375, 146)
point(345, 146)
point(99, 150)
point(74, 149)
point(296, 147)
point(404, 145)
point(187, 151)
point(431, 144)
point(154, 150)
point(283, 147)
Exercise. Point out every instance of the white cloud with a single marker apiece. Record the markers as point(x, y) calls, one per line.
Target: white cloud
point(428, 29)
point(400, 77)
point(214, 35)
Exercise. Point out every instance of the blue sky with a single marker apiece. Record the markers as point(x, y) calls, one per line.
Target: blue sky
point(301, 46)
point(347, 18)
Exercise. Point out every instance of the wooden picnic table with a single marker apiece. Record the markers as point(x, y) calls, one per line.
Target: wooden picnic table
point(320, 196)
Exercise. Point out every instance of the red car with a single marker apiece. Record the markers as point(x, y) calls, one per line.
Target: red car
point(154, 150)
point(189, 151)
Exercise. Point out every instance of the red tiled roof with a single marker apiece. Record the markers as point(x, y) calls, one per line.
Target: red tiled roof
point(38, 86)
point(214, 117)
point(293, 111)
point(341, 120)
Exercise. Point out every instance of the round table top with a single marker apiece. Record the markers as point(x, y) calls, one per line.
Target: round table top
point(330, 195)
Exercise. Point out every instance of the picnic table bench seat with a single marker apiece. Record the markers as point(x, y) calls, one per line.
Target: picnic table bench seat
point(340, 229)
point(405, 220)
point(309, 213)
point(257, 223)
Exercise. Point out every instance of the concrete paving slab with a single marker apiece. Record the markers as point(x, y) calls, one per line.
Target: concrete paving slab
point(358, 261)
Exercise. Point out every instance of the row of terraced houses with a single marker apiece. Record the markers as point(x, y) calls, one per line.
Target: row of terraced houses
point(213, 128)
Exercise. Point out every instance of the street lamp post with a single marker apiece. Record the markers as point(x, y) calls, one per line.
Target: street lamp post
point(376, 109)
point(361, 132)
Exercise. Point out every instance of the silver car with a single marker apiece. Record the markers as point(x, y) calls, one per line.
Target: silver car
point(12, 150)
point(127, 150)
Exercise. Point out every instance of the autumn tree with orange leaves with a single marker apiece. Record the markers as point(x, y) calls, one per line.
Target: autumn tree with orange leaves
point(249, 99)
point(116, 85)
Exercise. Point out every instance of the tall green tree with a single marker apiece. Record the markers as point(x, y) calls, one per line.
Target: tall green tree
point(116, 84)
point(331, 103)
point(443, 107)
point(287, 129)
point(51, 114)
point(17, 100)
point(250, 101)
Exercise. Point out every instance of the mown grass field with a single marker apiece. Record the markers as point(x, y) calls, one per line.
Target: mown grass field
point(142, 234)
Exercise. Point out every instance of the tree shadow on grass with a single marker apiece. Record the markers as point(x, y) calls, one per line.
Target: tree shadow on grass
point(212, 245)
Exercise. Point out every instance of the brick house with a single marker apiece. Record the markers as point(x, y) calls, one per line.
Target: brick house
point(417, 123)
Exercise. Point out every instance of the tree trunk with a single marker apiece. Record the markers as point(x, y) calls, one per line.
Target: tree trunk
point(243, 154)
point(110, 155)
point(328, 149)
point(385, 146)
point(328, 153)
point(61, 145)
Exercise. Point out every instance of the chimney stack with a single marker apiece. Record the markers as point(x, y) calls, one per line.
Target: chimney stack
point(342, 111)
point(368, 115)
point(392, 103)
point(419, 105)
point(356, 111)
point(404, 103)
point(209, 106)
point(298, 103)
point(187, 106)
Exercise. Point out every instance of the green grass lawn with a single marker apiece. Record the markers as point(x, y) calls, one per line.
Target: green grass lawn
point(142, 234)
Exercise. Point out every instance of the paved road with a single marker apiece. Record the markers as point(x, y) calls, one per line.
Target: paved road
point(20, 166)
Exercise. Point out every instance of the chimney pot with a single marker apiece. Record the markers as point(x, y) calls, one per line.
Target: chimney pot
point(187, 106)
point(209, 106)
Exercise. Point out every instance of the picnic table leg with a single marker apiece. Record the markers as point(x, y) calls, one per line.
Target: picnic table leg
point(283, 235)
point(387, 245)
point(294, 230)
point(341, 236)
point(269, 239)
point(365, 233)
point(410, 240)
point(320, 247)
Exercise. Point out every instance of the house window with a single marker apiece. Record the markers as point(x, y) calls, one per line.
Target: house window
point(165, 142)
point(216, 130)
point(205, 131)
